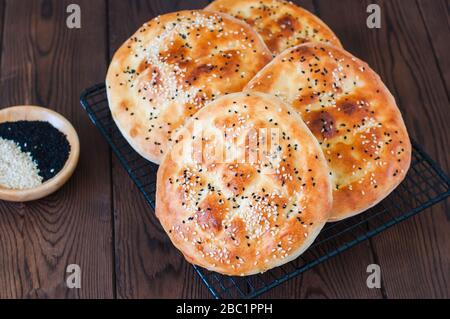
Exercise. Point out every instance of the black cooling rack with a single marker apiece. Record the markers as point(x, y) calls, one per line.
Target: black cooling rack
point(424, 186)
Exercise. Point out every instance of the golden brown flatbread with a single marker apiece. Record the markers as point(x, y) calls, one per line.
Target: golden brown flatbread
point(281, 24)
point(245, 187)
point(352, 114)
point(171, 67)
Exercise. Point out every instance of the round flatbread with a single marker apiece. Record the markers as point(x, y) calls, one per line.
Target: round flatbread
point(281, 24)
point(171, 67)
point(246, 186)
point(352, 114)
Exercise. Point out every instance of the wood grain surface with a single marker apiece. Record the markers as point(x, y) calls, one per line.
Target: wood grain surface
point(100, 221)
point(45, 63)
point(140, 240)
point(435, 16)
point(412, 256)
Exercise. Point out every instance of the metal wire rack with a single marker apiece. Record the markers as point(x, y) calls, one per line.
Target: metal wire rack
point(424, 186)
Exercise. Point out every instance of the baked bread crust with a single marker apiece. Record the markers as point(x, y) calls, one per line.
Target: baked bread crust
point(171, 67)
point(244, 217)
point(281, 24)
point(352, 114)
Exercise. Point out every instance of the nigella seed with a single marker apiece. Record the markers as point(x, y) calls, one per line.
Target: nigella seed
point(48, 146)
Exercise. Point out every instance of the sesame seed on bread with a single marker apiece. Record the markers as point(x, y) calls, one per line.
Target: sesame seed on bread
point(281, 24)
point(351, 113)
point(171, 67)
point(256, 208)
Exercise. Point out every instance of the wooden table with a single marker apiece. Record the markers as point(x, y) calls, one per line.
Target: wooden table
point(101, 222)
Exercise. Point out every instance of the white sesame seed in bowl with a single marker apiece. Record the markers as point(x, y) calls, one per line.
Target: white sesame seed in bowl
point(18, 170)
point(19, 181)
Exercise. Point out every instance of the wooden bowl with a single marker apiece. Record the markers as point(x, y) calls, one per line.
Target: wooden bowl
point(36, 113)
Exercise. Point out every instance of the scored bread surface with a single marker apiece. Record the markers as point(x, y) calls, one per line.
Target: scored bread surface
point(281, 24)
point(351, 113)
point(171, 67)
point(258, 206)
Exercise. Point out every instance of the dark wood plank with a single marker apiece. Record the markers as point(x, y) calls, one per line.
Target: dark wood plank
point(2, 18)
point(414, 256)
point(400, 52)
point(343, 276)
point(435, 15)
point(147, 265)
point(45, 63)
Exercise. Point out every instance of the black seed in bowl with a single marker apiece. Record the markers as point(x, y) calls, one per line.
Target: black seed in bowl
point(47, 145)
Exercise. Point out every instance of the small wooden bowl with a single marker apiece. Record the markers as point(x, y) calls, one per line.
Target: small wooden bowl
point(36, 113)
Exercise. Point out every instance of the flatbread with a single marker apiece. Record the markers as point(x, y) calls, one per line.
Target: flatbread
point(171, 67)
point(281, 24)
point(256, 208)
point(352, 114)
